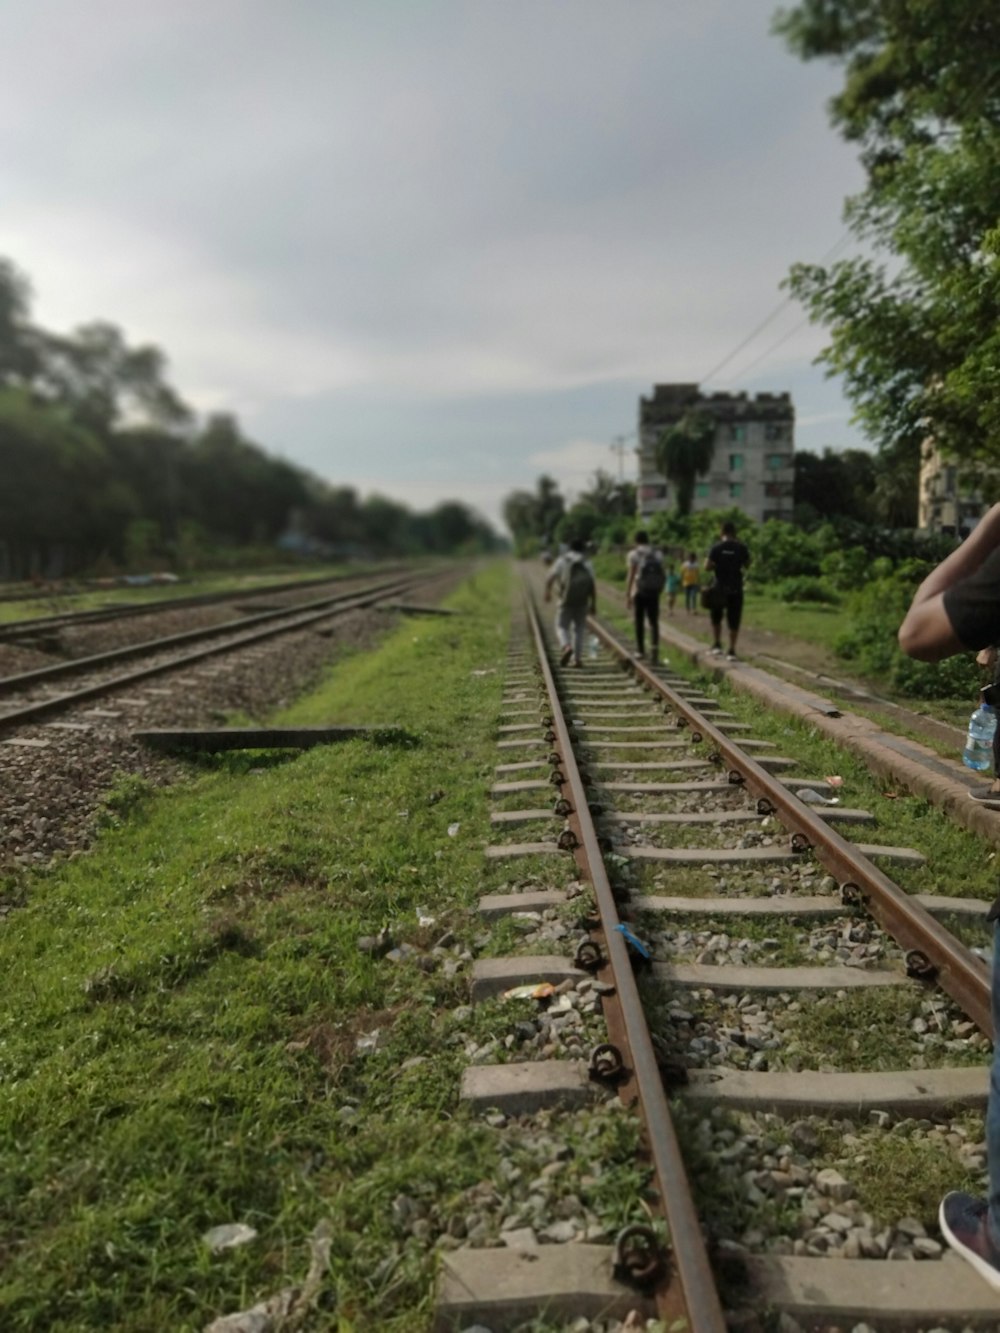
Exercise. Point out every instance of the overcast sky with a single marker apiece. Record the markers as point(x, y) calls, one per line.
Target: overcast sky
point(427, 247)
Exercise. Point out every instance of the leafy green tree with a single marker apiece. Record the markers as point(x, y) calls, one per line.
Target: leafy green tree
point(684, 452)
point(913, 322)
point(533, 517)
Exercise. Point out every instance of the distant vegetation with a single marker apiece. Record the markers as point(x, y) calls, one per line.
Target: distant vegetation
point(104, 467)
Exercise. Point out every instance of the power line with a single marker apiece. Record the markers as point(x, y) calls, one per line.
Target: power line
point(779, 309)
point(767, 352)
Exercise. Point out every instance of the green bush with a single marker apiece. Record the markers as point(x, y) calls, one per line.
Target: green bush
point(807, 590)
point(877, 610)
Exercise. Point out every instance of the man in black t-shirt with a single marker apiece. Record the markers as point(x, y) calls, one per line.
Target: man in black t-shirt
point(728, 558)
point(957, 609)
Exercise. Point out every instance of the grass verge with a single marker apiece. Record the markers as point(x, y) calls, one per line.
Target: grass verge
point(190, 1034)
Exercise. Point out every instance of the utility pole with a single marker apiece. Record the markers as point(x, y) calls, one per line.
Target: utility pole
point(618, 447)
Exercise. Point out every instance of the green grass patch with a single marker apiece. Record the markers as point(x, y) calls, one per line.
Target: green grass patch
point(190, 1034)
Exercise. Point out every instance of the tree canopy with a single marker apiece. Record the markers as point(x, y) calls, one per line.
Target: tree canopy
point(102, 461)
point(914, 320)
point(684, 452)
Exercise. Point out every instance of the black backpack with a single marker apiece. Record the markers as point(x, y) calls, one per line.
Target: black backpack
point(652, 577)
point(578, 591)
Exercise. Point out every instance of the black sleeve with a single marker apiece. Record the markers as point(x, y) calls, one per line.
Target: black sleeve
point(973, 605)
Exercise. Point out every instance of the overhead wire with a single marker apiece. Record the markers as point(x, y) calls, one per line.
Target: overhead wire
point(832, 253)
point(983, 86)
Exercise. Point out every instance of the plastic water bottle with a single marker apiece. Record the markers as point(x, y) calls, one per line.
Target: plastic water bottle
point(594, 645)
point(978, 752)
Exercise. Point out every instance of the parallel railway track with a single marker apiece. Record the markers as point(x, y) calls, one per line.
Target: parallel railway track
point(30, 695)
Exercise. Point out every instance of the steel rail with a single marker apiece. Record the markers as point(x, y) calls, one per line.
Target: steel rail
point(690, 1257)
point(15, 629)
point(79, 665)
point(18, 716)
point(938, 955)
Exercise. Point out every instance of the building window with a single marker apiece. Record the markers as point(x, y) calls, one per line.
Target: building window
point(652, 492)
point(739, 433)
point(735, 462)
point(774, 432)
point(776, 462)
point(735, 490)
point(702, 490)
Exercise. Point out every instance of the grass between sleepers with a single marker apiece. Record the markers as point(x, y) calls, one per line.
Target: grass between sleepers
point(180, 1022)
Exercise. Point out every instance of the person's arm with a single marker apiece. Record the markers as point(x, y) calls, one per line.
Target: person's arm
point(593, 591)
point(927, 632)
point(556, 571)
point(630, 581)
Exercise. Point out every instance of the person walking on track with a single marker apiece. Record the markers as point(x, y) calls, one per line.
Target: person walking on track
point(690, 581)
point(957, 609)
point(577, 597)
point(727, 559)
point(646, 580)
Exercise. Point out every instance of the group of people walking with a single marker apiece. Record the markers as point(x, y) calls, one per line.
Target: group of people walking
point(649, 577)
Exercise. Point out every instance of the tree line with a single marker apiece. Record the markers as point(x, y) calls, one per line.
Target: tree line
point(104, 466)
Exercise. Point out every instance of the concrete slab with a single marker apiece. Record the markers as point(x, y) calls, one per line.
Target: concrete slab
point(101, 712)
point(601, 729)
point(520, 816)
point(692, 856)
point(510, 727)
point(643, 746)
point(648, 765)
point(522, 766)
point(493, 905)
point(525, 784)
point(777, 979)
point(832, 814)
point(905, 1092)
point(68, 726)
point(492, 976)
point(28, 743)
point(795, 905)
point(534, 1085)
point(785, 904)
point(885, 1295)
point(670, 788)
point(524, 742)
point(714, 856)
point(902, 855)
point(510, 851)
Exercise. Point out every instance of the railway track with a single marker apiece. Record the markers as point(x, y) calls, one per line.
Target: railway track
point(713, 910)
point(44, 629)
point(32, 695)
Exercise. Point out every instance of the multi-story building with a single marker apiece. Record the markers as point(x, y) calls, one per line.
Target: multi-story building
point(753, 466)
point(948, 502)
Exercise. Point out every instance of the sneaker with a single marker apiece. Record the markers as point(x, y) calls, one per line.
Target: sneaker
point(962, 1219)
point(577, 662)
point(715, 650)
point(565, 655)
point(731, 657)
point(988, 795)
point(639, 655)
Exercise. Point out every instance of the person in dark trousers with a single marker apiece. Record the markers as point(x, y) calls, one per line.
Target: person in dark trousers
point(577, 598)
point(646, 579)
point(727, 559)
point(955, 610)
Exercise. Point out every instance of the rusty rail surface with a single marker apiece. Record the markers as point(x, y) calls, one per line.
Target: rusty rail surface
point(933, 953)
